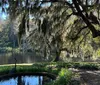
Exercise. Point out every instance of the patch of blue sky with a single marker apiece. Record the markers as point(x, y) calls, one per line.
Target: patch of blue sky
point(49, 3)
point(46, 4)
point(4, 15)
point(31, 16)
point(70, 1)
point(0, 9)
point(6, 5)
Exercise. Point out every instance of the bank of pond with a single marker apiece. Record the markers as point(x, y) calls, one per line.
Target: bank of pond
point(44, 73)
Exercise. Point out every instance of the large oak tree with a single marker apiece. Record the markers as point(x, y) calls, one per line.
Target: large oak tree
point(53, 20)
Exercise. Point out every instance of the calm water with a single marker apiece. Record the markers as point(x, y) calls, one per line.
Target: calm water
point(26, 58)
point(26, 80)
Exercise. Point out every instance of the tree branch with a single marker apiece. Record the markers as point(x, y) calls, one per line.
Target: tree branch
point(95, 33)
point(81, 30)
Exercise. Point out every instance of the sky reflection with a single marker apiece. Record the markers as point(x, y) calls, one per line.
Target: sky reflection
point(25, 80)
point(11, 81)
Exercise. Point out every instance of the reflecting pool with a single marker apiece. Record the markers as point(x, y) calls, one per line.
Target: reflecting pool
point(26, 80)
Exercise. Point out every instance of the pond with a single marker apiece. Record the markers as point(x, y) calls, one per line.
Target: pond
point(25, 80)
point(7, 58)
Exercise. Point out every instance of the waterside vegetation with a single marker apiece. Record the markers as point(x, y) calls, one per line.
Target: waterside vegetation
point(58, 70)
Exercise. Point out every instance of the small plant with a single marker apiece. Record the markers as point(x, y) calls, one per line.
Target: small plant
point(64, 78)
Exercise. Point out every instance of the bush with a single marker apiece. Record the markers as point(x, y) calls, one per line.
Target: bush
point(64, 78)
point(89, 66)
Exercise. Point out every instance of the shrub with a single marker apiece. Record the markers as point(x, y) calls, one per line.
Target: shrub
point(89, 66)
point(64, 78)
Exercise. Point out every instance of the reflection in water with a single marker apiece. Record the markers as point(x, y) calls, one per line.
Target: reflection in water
point(32, 80)
point(25, 80)
point(21, 58)
point(12, 81)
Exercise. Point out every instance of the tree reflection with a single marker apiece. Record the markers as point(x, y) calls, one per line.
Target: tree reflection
point(20, 82)
point(40, 80)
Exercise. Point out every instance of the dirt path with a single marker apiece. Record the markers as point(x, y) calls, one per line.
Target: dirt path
point(88, 77)
point(18, 64)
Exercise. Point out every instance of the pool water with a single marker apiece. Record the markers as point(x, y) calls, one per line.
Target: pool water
point(26, 80)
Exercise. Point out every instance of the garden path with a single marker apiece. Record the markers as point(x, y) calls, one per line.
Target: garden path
point(88, 77)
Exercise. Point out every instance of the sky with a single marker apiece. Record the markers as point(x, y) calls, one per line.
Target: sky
point(3, 15)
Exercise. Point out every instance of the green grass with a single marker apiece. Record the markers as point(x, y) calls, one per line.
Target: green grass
point(52, 67)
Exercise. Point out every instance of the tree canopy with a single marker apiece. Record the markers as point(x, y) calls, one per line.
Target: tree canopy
point(87, 10)
point(56, 23)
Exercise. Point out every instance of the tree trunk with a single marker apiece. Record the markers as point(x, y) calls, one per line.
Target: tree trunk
point(19, 80)
point(57, 56)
